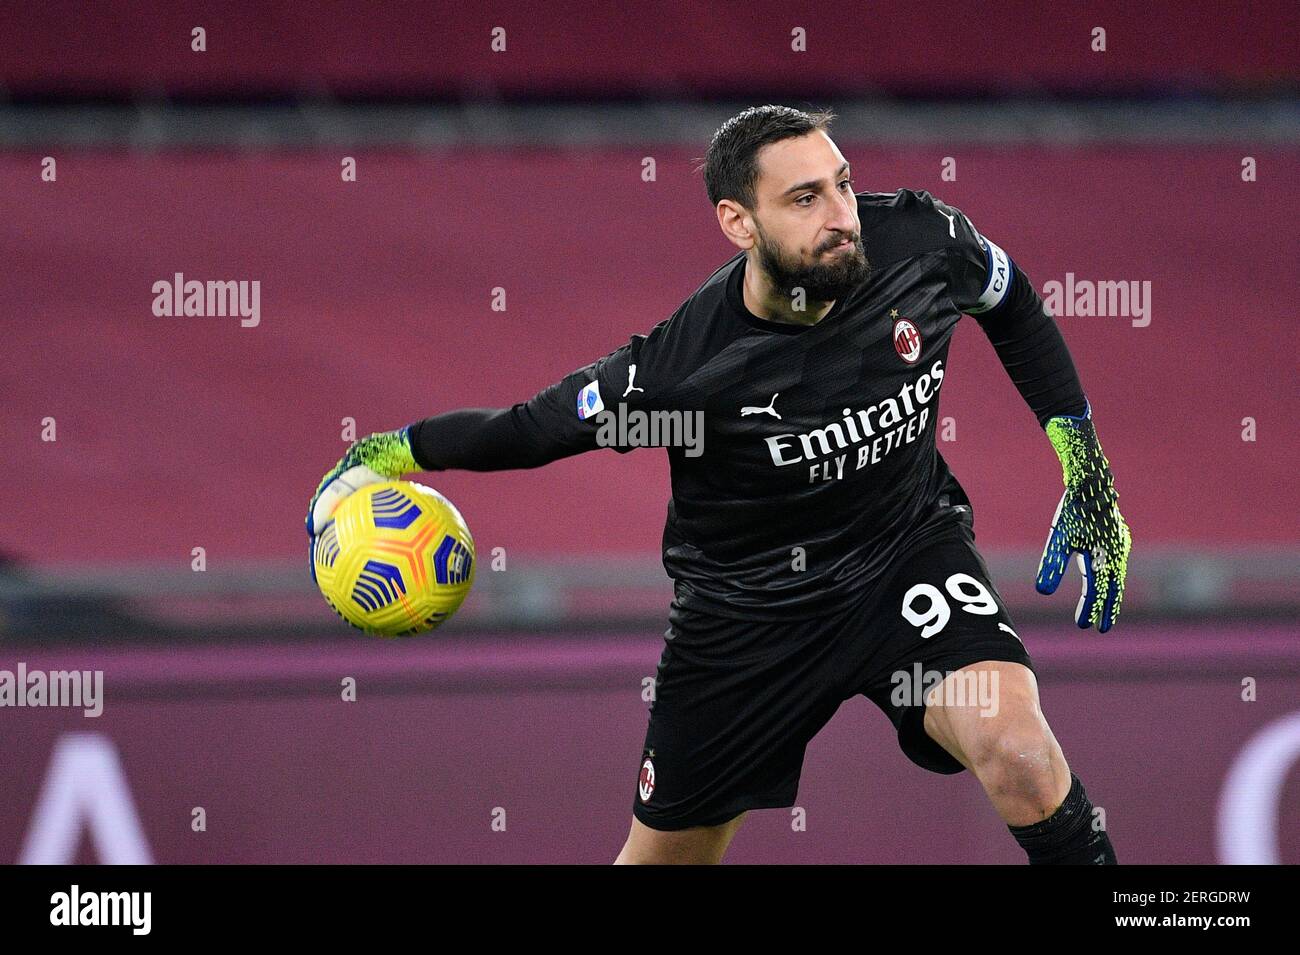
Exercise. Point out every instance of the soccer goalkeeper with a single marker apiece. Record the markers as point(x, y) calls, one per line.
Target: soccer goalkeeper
point(815, 357)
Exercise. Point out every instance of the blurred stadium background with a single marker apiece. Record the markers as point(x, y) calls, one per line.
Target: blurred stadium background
point(1171, 157)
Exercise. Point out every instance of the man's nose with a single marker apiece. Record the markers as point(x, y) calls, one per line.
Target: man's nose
point(844, 220)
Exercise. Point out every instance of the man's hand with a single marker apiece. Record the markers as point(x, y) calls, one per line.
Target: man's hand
point(1087, 522)
point(385, 456)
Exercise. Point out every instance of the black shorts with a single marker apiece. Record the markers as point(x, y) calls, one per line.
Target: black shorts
point(736, 702)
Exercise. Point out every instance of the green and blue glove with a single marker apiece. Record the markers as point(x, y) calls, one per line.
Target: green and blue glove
point(384, 456)
point(1087, 523)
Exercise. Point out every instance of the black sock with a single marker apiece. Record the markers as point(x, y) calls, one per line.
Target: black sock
point(1067, 836)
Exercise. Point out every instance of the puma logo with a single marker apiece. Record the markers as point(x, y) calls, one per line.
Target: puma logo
point(631, 375)
point(770, 409)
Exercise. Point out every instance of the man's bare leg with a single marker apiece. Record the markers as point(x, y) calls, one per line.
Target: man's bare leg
point(1012, 751)
point(700, 845)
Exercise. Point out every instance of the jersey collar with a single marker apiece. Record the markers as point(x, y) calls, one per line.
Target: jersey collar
point(736, 303)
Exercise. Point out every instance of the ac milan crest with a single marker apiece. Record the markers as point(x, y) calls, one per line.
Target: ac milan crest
point(907, 341)
point(646, 785)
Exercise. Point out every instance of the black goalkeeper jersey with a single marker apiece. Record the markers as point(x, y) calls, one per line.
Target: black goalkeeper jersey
point(818, 464)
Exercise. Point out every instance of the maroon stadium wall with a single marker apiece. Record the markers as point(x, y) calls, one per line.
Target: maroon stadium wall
point(667, 48)
point(446, 737)
point(376, 304)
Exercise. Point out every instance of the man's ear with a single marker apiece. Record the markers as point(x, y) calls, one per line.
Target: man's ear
point(735, 222)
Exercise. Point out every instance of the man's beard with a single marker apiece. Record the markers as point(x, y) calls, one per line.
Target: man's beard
point(821, 281)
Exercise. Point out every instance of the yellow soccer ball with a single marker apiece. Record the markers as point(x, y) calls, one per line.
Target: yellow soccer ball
point(395, 560)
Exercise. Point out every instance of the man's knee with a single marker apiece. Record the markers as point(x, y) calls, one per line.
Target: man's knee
point(1019, 751)
point(986, 713)
point(1009, 746)
point(1020, 764)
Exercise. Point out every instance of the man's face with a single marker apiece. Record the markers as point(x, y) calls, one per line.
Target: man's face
point(806, 219)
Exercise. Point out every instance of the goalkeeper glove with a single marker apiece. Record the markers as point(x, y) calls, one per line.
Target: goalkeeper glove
point(384, 456)
point(1087, 522)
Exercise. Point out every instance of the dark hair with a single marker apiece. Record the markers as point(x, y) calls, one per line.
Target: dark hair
point(731, 163)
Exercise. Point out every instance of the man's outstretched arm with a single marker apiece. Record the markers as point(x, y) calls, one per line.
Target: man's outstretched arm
point(527, 435)
point(555, 423)
point(487, 439)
